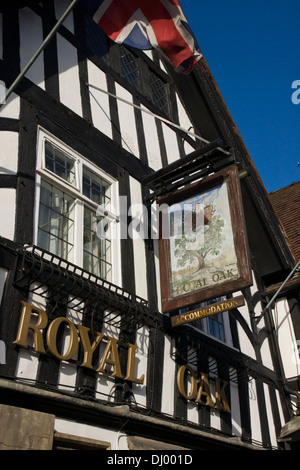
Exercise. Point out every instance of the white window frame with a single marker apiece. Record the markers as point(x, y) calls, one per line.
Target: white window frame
point(81, 201)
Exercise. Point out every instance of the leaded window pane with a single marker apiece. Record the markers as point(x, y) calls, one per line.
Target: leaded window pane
point(56, 222)
point(130, 67)
point(96, 251)
point(160, 93)
point(60, 164)
point(95, 188)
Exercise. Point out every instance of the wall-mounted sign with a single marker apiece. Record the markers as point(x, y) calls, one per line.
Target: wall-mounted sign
point(200, 391)
point(212, 309)
point(202, 245)
point(36, 320)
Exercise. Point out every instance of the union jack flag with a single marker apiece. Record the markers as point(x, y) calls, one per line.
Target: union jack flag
point(148, 24)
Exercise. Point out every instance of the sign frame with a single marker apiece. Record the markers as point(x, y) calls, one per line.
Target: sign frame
point(174, 298)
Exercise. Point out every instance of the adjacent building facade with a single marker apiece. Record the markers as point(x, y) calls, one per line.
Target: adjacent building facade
point(88, 360)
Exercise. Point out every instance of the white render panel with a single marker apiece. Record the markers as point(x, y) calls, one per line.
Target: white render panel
point(60, 8)
point(141, 360)
point(281, 415)
point(99, 101)
point(28, 360)
point(127, 121)
point(7, 212)
point(185, 123)
point(118, 440)
point(245, 343)
point(152, 143)
point(270, 416)
point(215, 419)
point(157, 273)
point(169, 368)
point(244, 311)
point(149, 53)
point(192, 406)
point(9, 152)
point(138, 240)
point(69, 86)
point(105, 384)
point(68, 370)
point(236, 425)
point(11, 109)
point(3, 275)
point(31, 38)
point(254, 412)
point(258, 306)
point(192, 412)
point(171, 143)
point(288, 345)
point(227, 329)
point(27, 365)
point(266, 354)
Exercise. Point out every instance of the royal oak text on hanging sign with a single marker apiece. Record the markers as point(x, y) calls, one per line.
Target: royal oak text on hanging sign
point(77, 333)
point(212, 309)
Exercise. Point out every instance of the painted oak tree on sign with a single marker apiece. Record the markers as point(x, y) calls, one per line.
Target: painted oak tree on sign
point(205, 255)
point(213, 238)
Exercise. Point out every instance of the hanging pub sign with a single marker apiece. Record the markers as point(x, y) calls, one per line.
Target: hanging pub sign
point(202, 241)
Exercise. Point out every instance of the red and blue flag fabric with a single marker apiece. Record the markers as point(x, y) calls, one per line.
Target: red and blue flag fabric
point(148, 24)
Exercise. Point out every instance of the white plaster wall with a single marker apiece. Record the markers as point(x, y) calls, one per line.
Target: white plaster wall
point(254, 412)
point(31, 38)
point(8, 152)
point(99, 100)
point(235, 406)
point(171, 143)
point(3, 275)
point(281, 415)
point(118, 440)
point(60, 8)
point(288, 345)
point(142, 343)
point(105, 383)
point(7, 212)
point(138, 242)
point(215, 419)
point(245, 343)
point(11, 109)
point(192, 406)
point(266, 354)
point(69, 86)
point(270, 416)
point(157, 273)
point(169, 368)
point(127, 122)
point(152, 143)
point(244, 310)
point(184, 122)
point(28, 360)
point(68, 370)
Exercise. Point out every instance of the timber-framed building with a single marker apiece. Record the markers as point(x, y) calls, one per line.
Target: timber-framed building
point(88, 359)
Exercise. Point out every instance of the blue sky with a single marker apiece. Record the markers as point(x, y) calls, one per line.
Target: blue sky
point(253, 51)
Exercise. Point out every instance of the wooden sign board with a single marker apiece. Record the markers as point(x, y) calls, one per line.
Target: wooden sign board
point(203, 253)
point(213, 309)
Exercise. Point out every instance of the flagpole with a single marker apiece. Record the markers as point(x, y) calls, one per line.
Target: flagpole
point(145, 110)
point(40, 49)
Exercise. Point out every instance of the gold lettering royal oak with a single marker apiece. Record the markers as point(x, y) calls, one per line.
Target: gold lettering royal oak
point(110, 355)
